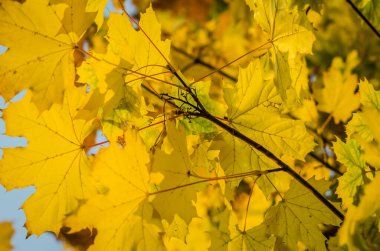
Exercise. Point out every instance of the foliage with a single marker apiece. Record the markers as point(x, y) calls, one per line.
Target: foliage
point(244, 126)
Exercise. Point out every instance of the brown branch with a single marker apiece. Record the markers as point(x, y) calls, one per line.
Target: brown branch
point(326, 164)
point(369, 24)
point(278, 161)
point(283, 166)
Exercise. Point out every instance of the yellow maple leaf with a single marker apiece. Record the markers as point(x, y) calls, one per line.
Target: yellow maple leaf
point(132, 56)
point(55, 161)
point(121, 209)
point(338, 97)
point(195, 236)
point(253, 109)
point(41, 37)
point(143, 50)
point(288, 34)
point(178, 171)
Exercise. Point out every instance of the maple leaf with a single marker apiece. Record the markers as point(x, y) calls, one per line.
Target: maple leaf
point(180, 236)
point(369, 205)
point(120, 209)
point(368, 96)
point(298, 216)
point(338, 97)
point(361, 121)
point(253, 239)
point(142, 49)
point(363, 127)
point(288, 35)
point(132, 56)
point(349, 154)
point(97, 6)
point(252, 109)
point(55, 161)
point(371, 10)
point(6, 232)
point(246, 233)
point(238, 157)
point(178, 171)
point(41, 37)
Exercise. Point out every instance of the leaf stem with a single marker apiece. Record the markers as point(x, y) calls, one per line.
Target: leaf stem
point(205, 179)
point(98, 144)
point(233, 61)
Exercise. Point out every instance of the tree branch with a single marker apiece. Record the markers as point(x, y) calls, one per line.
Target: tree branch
point(327, 165)
point(279, 162)
point(369, 24)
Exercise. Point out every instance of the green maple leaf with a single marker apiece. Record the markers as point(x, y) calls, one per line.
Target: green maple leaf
point(363, 122)
point(349, 154)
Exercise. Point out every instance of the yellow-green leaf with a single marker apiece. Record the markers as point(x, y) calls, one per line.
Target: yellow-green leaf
point(253, 109)
point(369, 206)
point(298, 217)
point(349, 155)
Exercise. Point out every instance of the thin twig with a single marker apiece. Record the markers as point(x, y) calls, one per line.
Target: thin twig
point(327, 165)
point(200, 61)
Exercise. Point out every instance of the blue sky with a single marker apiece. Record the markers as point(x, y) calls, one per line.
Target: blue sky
point(11, 201)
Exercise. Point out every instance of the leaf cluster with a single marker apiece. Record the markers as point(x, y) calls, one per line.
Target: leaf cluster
point(222, 129)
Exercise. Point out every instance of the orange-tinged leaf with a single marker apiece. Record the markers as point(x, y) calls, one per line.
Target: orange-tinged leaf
point(6, 232)
point(54, 161)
